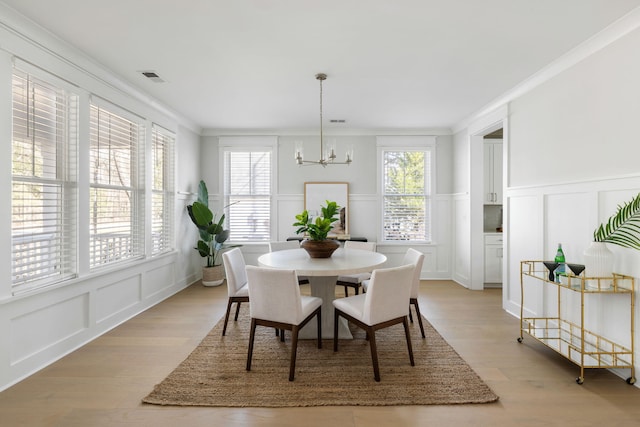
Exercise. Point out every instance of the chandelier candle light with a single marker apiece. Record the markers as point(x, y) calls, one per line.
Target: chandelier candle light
point(326, 157)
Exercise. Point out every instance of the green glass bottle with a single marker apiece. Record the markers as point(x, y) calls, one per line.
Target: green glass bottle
point(560, 271)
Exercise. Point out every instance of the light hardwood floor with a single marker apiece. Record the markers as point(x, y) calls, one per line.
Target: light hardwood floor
point(103, 383)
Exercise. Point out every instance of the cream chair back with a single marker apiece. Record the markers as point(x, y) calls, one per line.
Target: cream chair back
point(234, 267)
point(274, 295)
point(387, 294)
point(365, 246)
point(281, 246)
point(416, 258)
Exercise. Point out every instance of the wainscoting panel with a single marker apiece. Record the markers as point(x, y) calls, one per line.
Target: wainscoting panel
point(441, 230)
point(47, 325)
point(395, 254)
point(158, 280)
point(35, 331)
point(567, 215)
point(541, 217)
point(525, 237)
point(461, 238)
point(117, 297)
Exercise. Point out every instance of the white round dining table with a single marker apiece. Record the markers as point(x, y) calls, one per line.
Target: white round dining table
point(322, 274)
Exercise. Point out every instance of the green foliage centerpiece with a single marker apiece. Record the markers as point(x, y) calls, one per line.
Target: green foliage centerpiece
point(317, 245)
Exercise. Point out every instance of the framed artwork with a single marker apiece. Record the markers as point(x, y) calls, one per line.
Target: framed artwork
point(316, 195)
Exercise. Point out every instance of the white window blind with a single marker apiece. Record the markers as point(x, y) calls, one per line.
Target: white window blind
point(43, 193)
point(247, 192)
point(406, 195)
point(162, 203)
point(116, 229)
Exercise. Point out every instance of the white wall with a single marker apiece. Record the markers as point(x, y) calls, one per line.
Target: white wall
point(364, 203)
point(461, 227)
point(40, 326)
point(573, 158)
point(582, 124)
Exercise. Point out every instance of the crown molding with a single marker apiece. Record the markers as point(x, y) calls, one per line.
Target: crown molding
point(23, 30)
point(602, 39)
point(326, 132)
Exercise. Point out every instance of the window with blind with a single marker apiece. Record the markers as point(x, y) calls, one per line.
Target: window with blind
point(44, 192)
point(406, 195)
point(247, 193)
point(116, 229)
point(162, 190)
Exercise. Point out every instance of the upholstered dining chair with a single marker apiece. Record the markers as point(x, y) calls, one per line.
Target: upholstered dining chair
point(237, 289)
point(276, 302)
point(355, 280)
point(416, 258)
point(284, 245)
point(383, 305)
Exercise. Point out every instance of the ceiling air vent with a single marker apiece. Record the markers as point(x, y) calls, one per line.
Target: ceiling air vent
point(152, 75)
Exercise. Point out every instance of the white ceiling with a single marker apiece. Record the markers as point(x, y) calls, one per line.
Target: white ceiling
point(251, 64)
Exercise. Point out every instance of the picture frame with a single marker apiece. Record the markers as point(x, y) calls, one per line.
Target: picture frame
point(316, 195)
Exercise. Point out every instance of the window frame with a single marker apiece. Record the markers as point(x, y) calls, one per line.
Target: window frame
point(247, 144)
point(136, 186)
point(168, 189)
point(407, 144)
point(65, 181)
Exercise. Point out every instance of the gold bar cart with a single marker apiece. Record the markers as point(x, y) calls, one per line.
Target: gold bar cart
point(570, 339)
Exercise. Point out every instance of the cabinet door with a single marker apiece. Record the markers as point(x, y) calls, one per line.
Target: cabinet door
point(493, 172)
point(497, 172)
point(493, 264)
point(488, 173)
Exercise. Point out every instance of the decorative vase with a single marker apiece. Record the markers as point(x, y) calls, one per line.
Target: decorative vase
point(598, 261)
point(212, 276)
point(320, 248)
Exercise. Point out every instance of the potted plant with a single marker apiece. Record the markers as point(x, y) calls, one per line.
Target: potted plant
point(623, 229)
point(317, 245)
point(212, 237)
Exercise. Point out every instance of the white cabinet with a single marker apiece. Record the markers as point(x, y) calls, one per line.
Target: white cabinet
point(493, 172)
point(493, 258)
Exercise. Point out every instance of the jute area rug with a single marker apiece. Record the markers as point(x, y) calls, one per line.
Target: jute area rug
point(215, 375)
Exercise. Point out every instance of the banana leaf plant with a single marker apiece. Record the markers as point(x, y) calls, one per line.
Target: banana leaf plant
point(623, 228)
point(212, 233)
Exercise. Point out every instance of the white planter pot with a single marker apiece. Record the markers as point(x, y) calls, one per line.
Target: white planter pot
point(598, 261)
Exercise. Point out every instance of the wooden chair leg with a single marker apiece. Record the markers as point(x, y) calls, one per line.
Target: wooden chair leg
point(408, 336)
point(336, 316)
point(237, 310)
point(319, 316)
point(226, 317)
point(346, 291)
point(374, 353)
point(281, 335)
point(410, 315)
point(294, 351)
point(417, 307)
point(252, 335)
